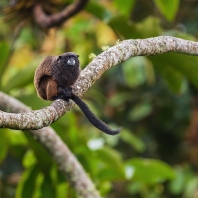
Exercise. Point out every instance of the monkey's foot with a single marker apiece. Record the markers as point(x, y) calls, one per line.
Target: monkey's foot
point(59, 96)
point(64, 94)
point(67, 92)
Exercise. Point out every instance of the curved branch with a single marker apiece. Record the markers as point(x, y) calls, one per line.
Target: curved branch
point(34, 119)
point(67, 162)
point(127, 49)
point(47, 21)
point(112, 56)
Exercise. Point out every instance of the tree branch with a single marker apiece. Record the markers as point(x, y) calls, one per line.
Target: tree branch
point(47, 21)
point(67, 162)
point(114, 55)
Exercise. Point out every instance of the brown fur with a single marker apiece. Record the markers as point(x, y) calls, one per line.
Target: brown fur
point(53, 75)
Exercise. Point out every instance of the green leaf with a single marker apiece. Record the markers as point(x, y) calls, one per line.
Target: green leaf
point(4, 51)
point(48, 189)
point(109, 174)
point(17, 137)
point(184, 64)
point(29, 159)
point(149, 72)
point(62, 190)
point(168, 8)
point(173, 78)
point(131, 139)
point(42, 156)
point(98, 10)
point(111, 157)
point(125, 7)
point(149, 171)
point(27, 185)
point(128, 29)
point(32, 100)
point(134, 71)
point(22, 78)
point(191, 187)
point(177, 185)
point(118, 99)
point(151, 24)
point(4, 144)
point(140, 111)
point(121, 26)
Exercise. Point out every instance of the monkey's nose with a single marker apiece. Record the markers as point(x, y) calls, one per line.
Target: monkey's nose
point(71, 61)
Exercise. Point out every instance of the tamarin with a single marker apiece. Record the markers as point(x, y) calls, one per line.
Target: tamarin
point(53, 79)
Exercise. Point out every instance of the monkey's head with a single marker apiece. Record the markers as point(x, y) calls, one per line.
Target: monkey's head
point(68, 61)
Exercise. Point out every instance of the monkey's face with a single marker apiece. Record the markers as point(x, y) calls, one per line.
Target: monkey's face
point(71, 61)
point(68, 60)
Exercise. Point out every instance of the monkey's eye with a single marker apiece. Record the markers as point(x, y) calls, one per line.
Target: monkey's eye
point(71, 61)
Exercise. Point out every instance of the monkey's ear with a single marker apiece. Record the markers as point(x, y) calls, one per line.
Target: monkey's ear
point(59, 57)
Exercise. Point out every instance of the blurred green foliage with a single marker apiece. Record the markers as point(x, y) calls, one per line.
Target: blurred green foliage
point(150, 97)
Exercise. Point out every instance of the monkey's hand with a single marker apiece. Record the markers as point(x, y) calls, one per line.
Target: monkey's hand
point(64, 93)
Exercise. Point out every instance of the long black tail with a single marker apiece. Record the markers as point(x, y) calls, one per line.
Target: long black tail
point(92, 118)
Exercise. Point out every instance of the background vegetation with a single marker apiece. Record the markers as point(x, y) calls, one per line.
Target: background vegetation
point(153, 98)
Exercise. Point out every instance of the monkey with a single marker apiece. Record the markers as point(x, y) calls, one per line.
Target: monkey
point(53, 80)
